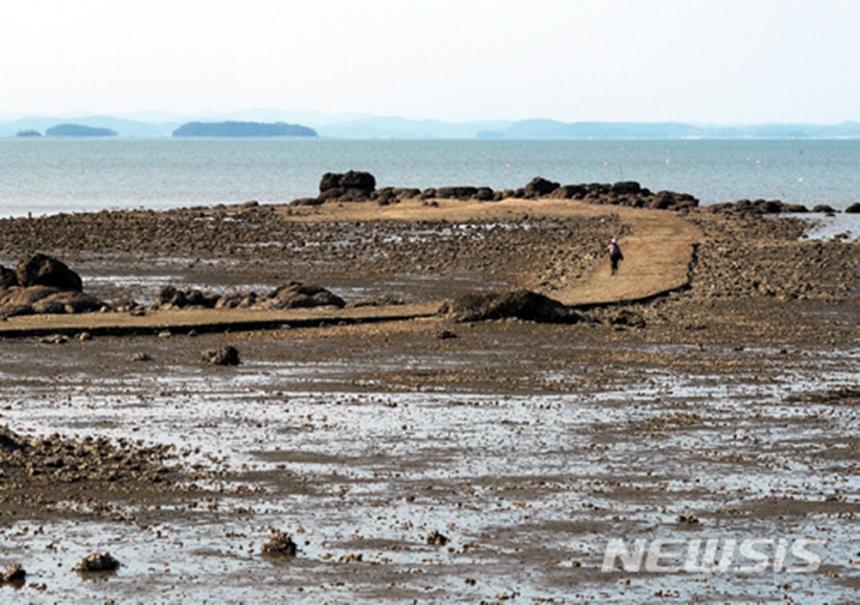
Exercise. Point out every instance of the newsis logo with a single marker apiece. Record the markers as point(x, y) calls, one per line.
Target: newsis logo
point(711, 555)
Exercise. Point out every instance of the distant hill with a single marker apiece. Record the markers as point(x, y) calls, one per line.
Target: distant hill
point(277, 123)
point(243, 129)
point(405, 128)
point(126, 128)
point(78, 130)
point(28, 134)
point(553, 129)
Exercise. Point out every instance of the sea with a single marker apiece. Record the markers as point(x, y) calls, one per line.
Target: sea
point(42, 176)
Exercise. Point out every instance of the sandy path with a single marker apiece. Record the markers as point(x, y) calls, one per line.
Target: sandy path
point(657, 257)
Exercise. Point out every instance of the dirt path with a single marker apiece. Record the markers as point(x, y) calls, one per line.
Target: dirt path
point(657, 256)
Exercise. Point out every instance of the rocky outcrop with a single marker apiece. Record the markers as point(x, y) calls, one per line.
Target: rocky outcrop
point(42, 270)
point(293, 295)
point(516, 304)
point(360, 186)
point(758, 207)
point(296, 295)
point(352, 186)
point(853, 208)
point(43, 284)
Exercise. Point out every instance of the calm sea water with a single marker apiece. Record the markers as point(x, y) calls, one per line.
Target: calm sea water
point(43, 176)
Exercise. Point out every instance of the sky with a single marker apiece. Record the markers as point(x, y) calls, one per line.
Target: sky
point(713, 61)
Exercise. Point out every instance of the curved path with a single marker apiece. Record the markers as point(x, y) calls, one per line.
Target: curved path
point(657, 258)
point(658, 250)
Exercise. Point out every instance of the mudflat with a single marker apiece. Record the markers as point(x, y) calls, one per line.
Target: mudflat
point(710, 390)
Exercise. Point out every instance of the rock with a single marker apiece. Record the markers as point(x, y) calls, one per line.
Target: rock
point(85, 336)
point(67, 302)
point(14, 574)
point(436, 539)
point(8, 278)
point(520, 304)
point(824, 208)
point(296, 295)
point(853, 208)
point(42, 270)
point(280, 545)
point(539, 187)
point(54, 339)
point(626, 188)
point(485, 194)
point(222, 356)
point(348, 186)
point(139, 356)
point(446, 335)
point(456, 193)
point(97, 562)
point(170, 297)
point(307, 201)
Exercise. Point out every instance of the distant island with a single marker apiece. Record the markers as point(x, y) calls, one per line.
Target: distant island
point(28, 134)
point(78, 130)
point(243, 129)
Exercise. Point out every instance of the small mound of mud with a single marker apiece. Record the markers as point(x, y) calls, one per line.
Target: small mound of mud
point(281, 544)
point(97, 562)
point(518, 304)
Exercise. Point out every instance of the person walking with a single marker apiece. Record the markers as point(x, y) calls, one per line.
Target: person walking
point(615, 255)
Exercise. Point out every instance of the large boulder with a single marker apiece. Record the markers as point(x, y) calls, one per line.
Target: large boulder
point(347, 186)
point(853, 208)
point(519, 304)
point(42, 270)
point(8, 278)
point(539, 187)
point(626, 188)
point(296, 295)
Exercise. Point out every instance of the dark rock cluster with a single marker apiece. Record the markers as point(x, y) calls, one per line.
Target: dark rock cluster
point(762, 207)
point(355, 186)
point(293, 295)
point(43, 284)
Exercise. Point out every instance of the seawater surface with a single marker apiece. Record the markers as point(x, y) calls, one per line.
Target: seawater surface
point(57, 175)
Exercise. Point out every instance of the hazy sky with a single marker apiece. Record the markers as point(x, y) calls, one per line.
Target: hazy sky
point(647, 60)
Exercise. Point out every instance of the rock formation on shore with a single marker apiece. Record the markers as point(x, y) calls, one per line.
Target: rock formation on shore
point(515, 304)
point(355, 186)
point(293, 295)
point(43, 284)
